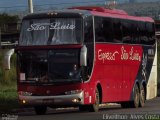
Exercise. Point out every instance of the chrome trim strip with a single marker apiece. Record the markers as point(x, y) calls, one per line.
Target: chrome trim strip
point(53, 100)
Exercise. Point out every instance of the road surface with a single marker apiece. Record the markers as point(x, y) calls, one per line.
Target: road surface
point(151, 110)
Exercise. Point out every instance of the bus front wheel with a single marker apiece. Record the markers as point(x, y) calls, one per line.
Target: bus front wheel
point(40, 110)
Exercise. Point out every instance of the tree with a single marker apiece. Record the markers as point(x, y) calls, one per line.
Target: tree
point(6, 19)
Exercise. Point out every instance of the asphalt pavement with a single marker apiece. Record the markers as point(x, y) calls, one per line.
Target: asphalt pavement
point(150, 111)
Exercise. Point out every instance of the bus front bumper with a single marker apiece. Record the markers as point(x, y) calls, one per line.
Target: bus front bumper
point(60, 100)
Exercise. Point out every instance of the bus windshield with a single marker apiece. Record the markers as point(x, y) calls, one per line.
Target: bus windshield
point(50, 66)
point(52, 31)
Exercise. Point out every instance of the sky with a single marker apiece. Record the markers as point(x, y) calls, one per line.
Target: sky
point(11, 4)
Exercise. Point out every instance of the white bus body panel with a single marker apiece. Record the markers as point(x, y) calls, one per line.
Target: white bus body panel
point(152, 82)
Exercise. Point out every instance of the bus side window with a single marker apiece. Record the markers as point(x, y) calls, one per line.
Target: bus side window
point(88, 29)
point(142, 32)
point(150, 33)
point(126, 30)
point(135, 32)
point(108, 29)
point(103, 29)
point(117, 28)
point(99, 30)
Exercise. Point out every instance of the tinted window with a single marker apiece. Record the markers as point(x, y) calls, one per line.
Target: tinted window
point(150, 33)
point(88, 29)
point(135, 32)
point(129, 31)
point(117, 26)
point(158, 27)
point(99, 30)
point(142, 33)
point(108, 29)
point(104, 29)
point(126, 30)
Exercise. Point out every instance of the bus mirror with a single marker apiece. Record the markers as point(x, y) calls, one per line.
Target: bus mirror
point(7, 57)
point(83, 56)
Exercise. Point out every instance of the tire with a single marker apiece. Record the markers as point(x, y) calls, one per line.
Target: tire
point(136, 97)
point(142, 97)
point(95, 107)
point(40, 110)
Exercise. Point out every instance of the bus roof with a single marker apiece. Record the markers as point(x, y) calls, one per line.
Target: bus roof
point(58, 13)
point(101, 9)
point(115, 13)
point(89, 10)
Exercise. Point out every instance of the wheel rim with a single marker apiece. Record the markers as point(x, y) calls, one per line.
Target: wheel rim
point(142, 96)
point(136, 98)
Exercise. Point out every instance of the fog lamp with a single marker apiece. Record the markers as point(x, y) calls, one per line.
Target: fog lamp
point(75, 100)
point(23, 101)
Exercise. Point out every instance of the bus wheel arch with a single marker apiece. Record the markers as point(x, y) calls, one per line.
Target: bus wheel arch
point(95, 106)
point(100, 92)
point(98, 99)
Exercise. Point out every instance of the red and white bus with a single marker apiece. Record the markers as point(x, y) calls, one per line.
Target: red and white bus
point(85, 56)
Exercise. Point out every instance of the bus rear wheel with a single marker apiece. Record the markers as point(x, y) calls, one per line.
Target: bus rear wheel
point(142, 97)
point(136, 97)
point(40, 110)
point(95, 107)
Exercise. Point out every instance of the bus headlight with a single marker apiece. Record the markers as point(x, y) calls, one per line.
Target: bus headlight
point(23, 101)
point(73, 92)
